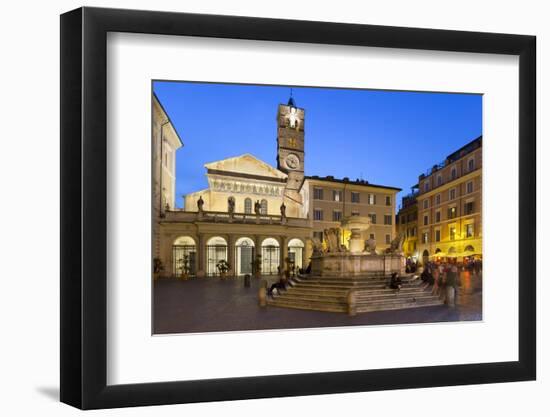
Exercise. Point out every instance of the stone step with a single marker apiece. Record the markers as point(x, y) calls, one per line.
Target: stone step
point(342, 308)
point(366, 299)
point(314, 299)
point(350, 280)
point(359, 294)
point(404, 289)
point(383, 307)
point(349, 287)
point(392, 301)
point(316, 291)
point(333, 308)
point(394, 296)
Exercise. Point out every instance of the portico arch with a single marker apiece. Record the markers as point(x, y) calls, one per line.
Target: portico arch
point(270, 256)
point(425, 256)
point(296, 252)
point(184, 256)
point(244, 255)
point(216, 250)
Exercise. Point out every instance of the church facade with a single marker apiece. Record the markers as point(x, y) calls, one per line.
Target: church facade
point(254, 212)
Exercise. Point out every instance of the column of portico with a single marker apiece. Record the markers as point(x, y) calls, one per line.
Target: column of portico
point(201, 255)
point(231, 256)
point(283, 252)
point(258, 248)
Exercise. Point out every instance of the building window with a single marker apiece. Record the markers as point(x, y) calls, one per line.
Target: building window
point(425, 237)
point(470, 187)
point(439, 180)
point(317, 214)
point(388, 200)
point(372, 199)
point(403, 220)
point(437, 216)
point(452, 232)
point(470, 230)
point(354, 197)
point(317, 193)
point(452, 193)
point(387, 219)
point(355, 213)
point(372, 217)
point(426, 187)
point(437, 235)
point(337, 195)
point(438, 199)
point(336, 215)
point(263, 207)
point(471, 164)
point(318, 236)
point(469, 207)
point(425, 220)
point(451, 212)
point(388, 239)
point(453, 173)
point(425, 203)
point(247, 205)
point(371, 236)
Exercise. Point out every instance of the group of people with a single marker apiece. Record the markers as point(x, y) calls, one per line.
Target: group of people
point(444, 277)
point(411, 266)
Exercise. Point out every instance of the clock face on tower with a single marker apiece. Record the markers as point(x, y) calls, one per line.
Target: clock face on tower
point(292, 161)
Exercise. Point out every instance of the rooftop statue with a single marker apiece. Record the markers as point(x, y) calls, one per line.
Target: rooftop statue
point(200, 203)
point(231, 205)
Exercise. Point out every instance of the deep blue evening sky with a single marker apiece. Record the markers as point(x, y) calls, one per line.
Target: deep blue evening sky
point(384, 137)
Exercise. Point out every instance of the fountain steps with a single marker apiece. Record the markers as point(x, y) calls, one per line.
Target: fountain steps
point(334, 287)
point(388, 299)
point(370, 295)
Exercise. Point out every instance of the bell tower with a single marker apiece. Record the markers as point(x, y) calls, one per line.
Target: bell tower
point(290, 146)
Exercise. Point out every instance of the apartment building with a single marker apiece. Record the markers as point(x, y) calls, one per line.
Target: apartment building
point(330, 200)
point(450, 206)
point(407, 223)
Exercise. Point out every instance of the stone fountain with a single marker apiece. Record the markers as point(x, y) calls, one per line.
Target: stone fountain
point(359, 258)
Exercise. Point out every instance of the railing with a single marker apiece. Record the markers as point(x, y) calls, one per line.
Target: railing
point(225, 217)
point(433, 169)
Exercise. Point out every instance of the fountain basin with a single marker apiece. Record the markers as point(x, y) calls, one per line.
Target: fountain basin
point(349, 264)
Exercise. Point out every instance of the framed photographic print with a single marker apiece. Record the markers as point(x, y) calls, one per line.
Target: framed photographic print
point(258, 208)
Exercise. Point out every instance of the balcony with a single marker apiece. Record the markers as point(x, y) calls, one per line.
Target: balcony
point(177, 216)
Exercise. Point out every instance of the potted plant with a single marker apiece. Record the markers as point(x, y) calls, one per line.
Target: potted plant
point(185, 269)
point(223, 267)
point(158, 267)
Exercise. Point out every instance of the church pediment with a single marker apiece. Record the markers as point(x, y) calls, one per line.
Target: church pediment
point(245, 165)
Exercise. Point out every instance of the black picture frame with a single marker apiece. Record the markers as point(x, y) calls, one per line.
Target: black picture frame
point(84, 207)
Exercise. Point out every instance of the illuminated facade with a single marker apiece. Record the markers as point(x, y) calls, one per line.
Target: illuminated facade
point(407, 223)
point(450, 206)
point(330, 200)
point(251, 210)
point(164, 168)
